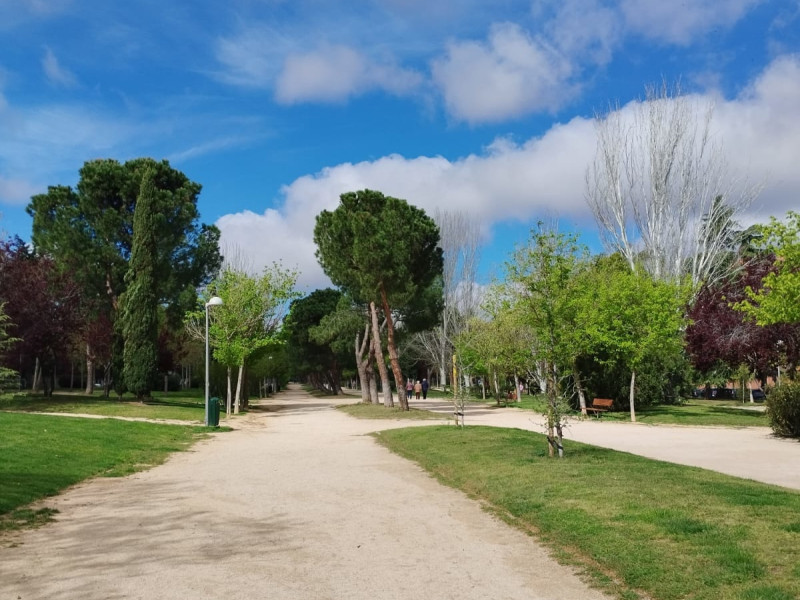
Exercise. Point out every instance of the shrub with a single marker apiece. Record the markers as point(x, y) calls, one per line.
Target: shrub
point(783, 409)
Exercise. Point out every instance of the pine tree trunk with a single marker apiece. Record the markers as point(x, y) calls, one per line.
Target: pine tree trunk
point(388, 401)
point(394, 357)
point(633, 389)
point(361, 364)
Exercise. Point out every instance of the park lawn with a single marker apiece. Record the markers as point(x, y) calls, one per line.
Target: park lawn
point(379, 411)
point(638, 528)
point(693, 412)
point(172, 405)
point(43, 454)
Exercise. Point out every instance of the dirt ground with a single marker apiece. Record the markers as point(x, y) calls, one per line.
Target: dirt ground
point(297, 503)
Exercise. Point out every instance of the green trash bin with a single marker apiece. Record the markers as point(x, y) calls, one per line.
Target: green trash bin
point(213, 412)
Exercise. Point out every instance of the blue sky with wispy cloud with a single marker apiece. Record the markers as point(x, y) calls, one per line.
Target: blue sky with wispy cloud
point(278, 106)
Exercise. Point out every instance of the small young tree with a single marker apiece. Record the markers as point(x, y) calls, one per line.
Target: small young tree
point(541, 276)
point(140, 305)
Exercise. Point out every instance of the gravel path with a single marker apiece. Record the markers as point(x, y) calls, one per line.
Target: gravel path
point(297, 503)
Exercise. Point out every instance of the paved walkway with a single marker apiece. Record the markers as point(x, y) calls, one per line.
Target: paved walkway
point(296, 504)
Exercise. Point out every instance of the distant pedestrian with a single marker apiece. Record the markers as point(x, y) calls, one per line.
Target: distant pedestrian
point(424, 389)
point(409, 387)
point(417, 389)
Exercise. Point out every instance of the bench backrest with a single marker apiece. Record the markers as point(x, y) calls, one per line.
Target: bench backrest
point(602, 403)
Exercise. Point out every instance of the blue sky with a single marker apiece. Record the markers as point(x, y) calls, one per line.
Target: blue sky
point(278, 106)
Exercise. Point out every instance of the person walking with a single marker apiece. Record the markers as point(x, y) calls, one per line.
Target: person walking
point(409, 387)
point(417, 389)
point(424, 389)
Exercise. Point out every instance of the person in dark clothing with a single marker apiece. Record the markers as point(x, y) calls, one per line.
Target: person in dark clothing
point(424, 389)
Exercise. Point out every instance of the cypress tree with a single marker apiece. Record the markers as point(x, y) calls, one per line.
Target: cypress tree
point(140, 310)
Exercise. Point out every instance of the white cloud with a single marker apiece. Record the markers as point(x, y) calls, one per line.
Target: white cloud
point(335, 73)
point(55, 73)
point(585, 29)
point(543, 177)
point(510, 75)
point(682, 23)
point(252, 58)
point(17, 192)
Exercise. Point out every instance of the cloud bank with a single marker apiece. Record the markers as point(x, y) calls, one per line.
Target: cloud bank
point(543, 176)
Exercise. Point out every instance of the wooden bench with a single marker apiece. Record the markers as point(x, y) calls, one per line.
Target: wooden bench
point(599, 406)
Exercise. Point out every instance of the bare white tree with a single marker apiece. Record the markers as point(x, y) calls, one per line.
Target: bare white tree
point(460, 237)
point(660, 190)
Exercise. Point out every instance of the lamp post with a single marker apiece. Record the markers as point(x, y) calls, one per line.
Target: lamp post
point(213, 301)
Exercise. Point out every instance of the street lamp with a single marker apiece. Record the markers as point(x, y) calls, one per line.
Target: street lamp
point(213, 301)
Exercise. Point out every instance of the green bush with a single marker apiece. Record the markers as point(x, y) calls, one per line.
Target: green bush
point(783, 409)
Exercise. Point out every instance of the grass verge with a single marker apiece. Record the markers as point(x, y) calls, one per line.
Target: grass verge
point(378, 411)
point(637, 527)
point(162, 406)
point(42, 455)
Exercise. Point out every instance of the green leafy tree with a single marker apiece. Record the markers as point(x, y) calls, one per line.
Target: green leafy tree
point(249, 318)
point(140, 311)
point(541, 276)
point(346, 330)
point(776, 300)
point(317, 362)
point(88, 231)
point(381, 250)
point(629, 317)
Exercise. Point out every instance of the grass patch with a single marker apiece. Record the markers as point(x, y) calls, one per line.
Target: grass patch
point(173, 405)
point(42, 455)
point(634, 525)
point(26, 518)
point(693, 412)
point(378, 411)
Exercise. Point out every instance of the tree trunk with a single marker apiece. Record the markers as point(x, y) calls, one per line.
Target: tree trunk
point(166, 383)
point(633, 389)
point(37, 376)
point(229, 397)
point(388, 401)
point(516, 388)
point(238, 389)
point(362, 361)
point(89, 370)
point(394, 358)
point(579, 386)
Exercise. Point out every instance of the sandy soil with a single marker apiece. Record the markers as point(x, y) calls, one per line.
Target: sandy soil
point(297, 503)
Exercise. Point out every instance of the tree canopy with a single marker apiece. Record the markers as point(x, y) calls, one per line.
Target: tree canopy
point(380, 250)
point(89, 230)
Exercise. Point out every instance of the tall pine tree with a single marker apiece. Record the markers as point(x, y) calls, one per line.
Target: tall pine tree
point(140, 304)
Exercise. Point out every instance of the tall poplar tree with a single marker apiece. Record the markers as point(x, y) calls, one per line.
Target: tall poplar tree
point(140, 303)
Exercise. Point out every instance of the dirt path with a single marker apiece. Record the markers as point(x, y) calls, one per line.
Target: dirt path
point(298, 503)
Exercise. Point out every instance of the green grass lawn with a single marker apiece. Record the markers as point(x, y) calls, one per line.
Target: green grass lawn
point(183, 406)
point(378, 411)
point(638, 528)
point(692, 412)
point(42, 455)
